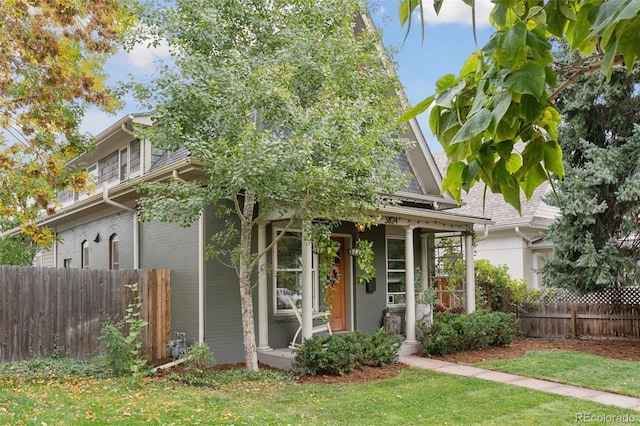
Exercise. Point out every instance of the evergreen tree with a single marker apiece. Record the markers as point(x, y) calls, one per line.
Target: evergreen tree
point(596, 241)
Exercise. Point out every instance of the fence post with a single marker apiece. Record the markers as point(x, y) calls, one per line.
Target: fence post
point(574, 328)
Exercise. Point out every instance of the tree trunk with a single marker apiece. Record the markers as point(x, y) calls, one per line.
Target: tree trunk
point(244, 275)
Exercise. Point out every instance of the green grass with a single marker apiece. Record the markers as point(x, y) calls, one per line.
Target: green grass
point(414, 397)
point(575, 368)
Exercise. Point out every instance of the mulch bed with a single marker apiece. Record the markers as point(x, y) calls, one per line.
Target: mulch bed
point(616, 349)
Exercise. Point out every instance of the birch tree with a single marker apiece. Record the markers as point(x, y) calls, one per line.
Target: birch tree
point(288, 104)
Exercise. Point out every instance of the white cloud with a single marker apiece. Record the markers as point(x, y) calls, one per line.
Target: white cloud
point(456, 12)
point(143, 56)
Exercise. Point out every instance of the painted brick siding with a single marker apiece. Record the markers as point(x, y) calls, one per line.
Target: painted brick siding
point(223, 319)
point(120, 223)
point(168, 245)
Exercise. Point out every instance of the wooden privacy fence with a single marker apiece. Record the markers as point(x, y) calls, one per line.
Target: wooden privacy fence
point(592, 320)
point(55, 309)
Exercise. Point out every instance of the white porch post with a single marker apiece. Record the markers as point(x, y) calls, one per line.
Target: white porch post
point(307, 280)
point(471, 282)
point(410, 326)
point(263, 295)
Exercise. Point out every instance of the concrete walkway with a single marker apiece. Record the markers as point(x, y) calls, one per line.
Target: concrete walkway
point(606, 398)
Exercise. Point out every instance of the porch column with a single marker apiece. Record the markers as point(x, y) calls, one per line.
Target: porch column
point(263, 295)
point(470, 295)
point(307, 280)
point(410, 326)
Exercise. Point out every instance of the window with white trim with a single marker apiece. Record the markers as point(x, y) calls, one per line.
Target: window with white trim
point(396, 277)
point(124, 164)
point(114, 256)
point(287, 272)
point(84, 253)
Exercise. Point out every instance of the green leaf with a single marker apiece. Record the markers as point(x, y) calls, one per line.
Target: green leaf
point(416, 110)
point(553, 158)
point(606, 14)
point(474, 126)
point(507, 184)
point(437, 4)
point(471, 65)
point(502, 102)
point(405, 9)
point(515, 163)
point(533, 179)
point(531, 108)
point(512, 46)
point(445, 82)
point(529, 79)
point(452, 181)
point(533, 153)
point(445, 99)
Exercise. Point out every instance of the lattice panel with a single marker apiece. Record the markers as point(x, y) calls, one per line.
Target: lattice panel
point(628, 295)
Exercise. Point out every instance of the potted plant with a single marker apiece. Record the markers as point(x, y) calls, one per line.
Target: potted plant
point(387, 311)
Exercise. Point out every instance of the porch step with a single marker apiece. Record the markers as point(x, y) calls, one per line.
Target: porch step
point(277, 358)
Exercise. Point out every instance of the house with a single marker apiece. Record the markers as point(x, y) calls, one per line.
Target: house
point(513, 240)
point(101, 230)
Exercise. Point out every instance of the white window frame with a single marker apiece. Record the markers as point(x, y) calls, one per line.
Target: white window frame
point(275, 270)
point(391, 295)
point(114, 239)
point(84, 254)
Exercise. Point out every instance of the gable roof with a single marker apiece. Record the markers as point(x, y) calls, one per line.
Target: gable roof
point(536, 213)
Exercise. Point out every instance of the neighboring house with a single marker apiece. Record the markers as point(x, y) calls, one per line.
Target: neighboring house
point(513, 240)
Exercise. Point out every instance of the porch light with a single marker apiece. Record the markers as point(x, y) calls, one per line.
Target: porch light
point(354, 252)
point(360, 228)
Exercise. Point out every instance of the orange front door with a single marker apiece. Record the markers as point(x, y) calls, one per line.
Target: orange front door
point(336, 290)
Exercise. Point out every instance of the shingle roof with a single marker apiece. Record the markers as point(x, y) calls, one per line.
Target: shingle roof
point(535, 212)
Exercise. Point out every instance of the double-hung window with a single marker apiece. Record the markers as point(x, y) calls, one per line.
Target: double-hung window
point(287, 272)
point(396, 278)
point(124, 164)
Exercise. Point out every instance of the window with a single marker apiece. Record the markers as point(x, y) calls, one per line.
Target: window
point(37, 260)
point(114, 262)
point(134, 157)
point(84, 254)
point(396, 293)
point(124, 164)
point(287, 260)
point(66, 263)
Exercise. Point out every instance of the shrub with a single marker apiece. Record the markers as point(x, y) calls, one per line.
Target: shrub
point(341, 354)
point(496, 289)
point(451, 333)
point(124, 350)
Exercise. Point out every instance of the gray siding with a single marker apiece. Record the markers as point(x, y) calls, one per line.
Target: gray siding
point(369, 306)
point(223, 319)
point(108, 169)
point(168, 245)
point(134, 156)
point(120, 223)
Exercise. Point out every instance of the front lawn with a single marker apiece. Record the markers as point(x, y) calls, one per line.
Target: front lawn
point(575, 368)
point(413, 397)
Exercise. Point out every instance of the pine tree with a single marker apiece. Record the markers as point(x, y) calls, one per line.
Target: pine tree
point(596, 241)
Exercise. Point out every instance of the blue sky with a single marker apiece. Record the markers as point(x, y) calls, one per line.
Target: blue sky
point(448, 41)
